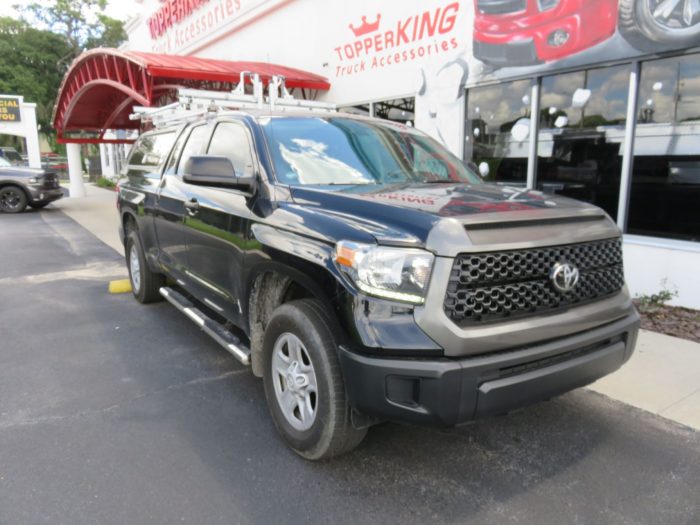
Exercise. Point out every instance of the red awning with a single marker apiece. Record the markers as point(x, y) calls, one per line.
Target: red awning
point(102, 85)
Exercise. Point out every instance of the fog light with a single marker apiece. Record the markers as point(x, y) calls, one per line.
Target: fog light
point(558, 38)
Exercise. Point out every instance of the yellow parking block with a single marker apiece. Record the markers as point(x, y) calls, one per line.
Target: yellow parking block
point(120, 286)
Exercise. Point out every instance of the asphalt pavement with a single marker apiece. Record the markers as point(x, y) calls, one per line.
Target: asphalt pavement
point(116, 412)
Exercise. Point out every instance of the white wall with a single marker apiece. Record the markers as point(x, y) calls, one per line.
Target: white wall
point(652, 265)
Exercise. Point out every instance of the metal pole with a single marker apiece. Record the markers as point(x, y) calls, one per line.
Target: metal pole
point(534, 131)
point(628, 152)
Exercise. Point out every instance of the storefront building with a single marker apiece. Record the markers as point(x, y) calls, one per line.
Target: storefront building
point(594, 99)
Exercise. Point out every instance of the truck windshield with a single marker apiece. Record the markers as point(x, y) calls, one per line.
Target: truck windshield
point(11, 154)
point(338, 150)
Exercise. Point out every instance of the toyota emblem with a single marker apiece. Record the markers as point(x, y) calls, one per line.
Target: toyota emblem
point(564, 277)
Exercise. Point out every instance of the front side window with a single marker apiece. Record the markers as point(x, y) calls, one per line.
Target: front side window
point(193, 146)
point(231, 140)
point(346, 151)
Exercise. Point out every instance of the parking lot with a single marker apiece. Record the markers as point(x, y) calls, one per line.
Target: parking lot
point(115, 412)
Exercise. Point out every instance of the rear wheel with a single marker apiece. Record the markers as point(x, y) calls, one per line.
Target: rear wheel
point(13, 199)
point(303, 383)
point(653, 25)
point(145, 284)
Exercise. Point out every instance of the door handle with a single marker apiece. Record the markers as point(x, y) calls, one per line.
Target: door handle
point(192, 207)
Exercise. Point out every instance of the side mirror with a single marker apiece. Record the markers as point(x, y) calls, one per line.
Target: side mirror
point(215, 170)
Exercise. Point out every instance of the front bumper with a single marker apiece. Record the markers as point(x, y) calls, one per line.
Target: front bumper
point(39, 194)
point(450, 391)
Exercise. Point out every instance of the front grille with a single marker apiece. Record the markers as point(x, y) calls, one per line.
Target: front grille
point(50, 181)
point(503, 285)
point(500, 7)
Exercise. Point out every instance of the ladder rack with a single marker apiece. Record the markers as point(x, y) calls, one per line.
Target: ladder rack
point(196, 103)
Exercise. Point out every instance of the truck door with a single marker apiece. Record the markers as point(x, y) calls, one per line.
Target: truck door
point(217, 229)
point(170, 208)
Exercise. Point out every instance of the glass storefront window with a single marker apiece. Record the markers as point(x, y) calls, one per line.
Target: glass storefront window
point(665, 188)
point(582, 125)
point(397, 110)
point(498, 129)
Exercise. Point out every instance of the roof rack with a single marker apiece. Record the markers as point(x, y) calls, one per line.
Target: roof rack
point(196, 103)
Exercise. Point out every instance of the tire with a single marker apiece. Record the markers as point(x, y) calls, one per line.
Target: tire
point(13, 199)
point(38, 205)
point(145, 284)
point(326, 431)
point(649, 33)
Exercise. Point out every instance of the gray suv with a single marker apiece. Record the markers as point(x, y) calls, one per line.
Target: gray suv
point(22, 187)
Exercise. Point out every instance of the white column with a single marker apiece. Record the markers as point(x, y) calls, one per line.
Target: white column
point(534, 132)
point(628, 149)
point(75, 170)
point(31, 135)
point(104, 160)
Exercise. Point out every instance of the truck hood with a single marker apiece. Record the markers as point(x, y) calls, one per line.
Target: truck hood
point(407, 213)
point(17, 171)
point(440, 200)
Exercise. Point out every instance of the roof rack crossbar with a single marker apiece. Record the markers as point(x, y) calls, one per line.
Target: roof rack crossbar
point(194, 103)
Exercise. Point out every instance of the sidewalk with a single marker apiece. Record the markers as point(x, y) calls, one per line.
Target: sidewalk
point(662, 377)
point(97, 213)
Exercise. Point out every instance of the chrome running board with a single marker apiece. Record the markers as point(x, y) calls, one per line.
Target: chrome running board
point(213, 329)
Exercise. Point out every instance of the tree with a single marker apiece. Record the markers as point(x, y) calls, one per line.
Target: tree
point(82, 23)
point(36, 51)
point(31, 64)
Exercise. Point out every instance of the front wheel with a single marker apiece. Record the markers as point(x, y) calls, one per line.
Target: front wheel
point(303, 383)
point(655, 25)
point(13, 199)
point(145, 284)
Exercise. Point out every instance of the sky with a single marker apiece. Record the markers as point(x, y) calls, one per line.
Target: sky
point(119, 9)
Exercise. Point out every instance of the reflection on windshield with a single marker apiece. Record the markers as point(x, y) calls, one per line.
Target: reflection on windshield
point(347, 151)
point(310, 163)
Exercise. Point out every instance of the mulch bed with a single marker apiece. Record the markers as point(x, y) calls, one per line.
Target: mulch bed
point(671, 320)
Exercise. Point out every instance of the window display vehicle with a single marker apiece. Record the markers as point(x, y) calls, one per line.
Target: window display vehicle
point(365, 273)
point(529, 32)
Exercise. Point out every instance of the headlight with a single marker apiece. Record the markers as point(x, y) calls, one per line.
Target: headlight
point(400, 274)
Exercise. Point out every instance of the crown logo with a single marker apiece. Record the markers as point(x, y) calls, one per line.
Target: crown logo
point(366, 27)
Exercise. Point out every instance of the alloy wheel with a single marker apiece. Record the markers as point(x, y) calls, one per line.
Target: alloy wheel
point(135, 268)
point(294, 380)
point(675, 14)
point(10, 199)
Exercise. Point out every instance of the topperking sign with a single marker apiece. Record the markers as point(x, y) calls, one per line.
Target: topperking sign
point(9, 109)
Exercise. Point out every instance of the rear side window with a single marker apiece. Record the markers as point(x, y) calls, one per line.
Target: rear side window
point(171, 165)
point(231, 140)
point(193, 146)
point(149, 154)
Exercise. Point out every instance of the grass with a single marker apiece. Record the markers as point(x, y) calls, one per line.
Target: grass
point(103, 182)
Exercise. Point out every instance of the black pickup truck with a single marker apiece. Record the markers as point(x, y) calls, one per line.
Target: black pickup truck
point(366, 274)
